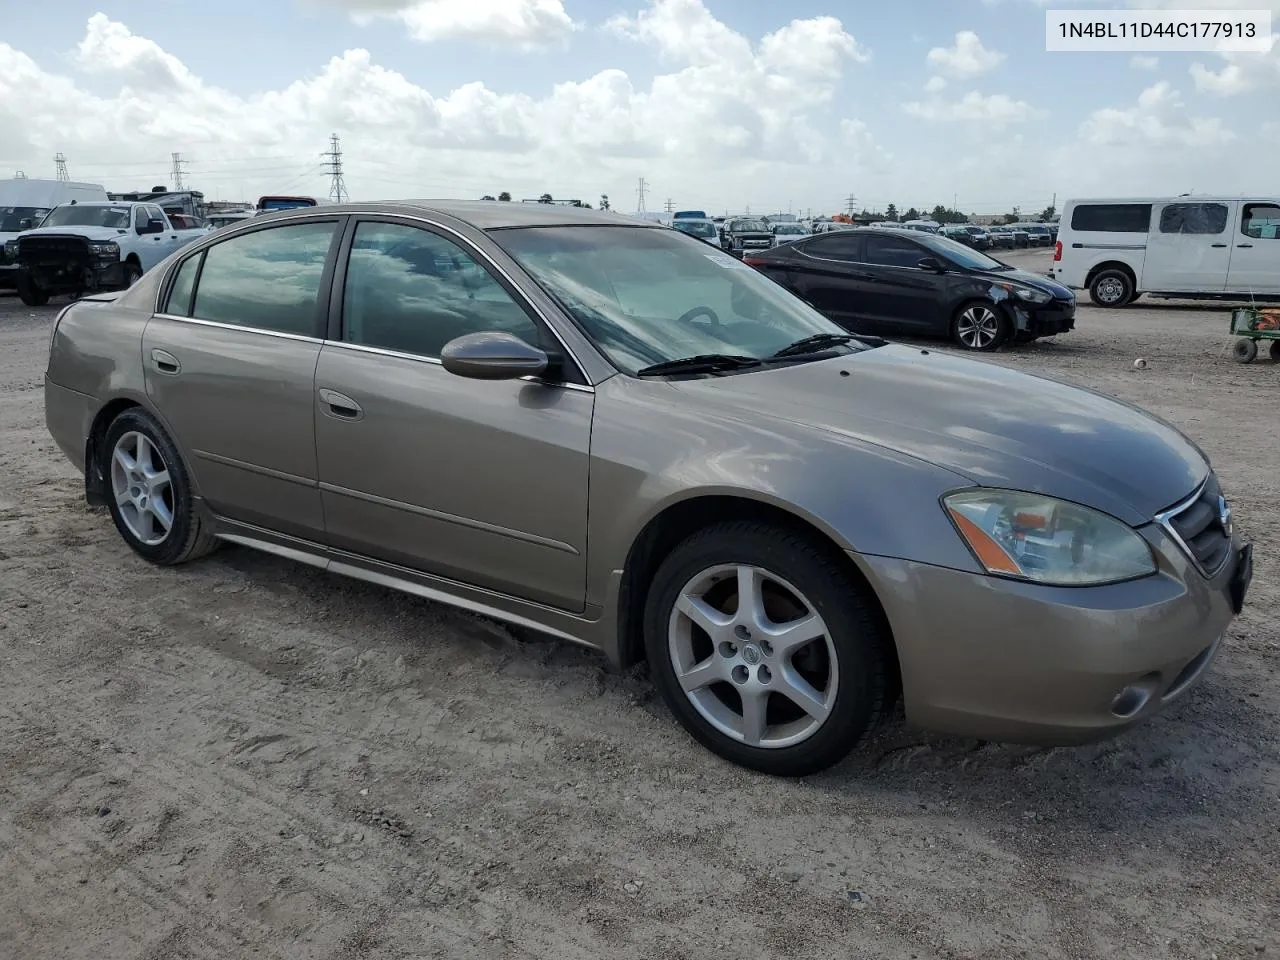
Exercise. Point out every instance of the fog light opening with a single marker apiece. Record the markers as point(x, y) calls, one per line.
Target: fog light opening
point(1130, 701)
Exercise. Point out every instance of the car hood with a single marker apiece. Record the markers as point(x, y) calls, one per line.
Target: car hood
point(990, 425)
point(89, 233)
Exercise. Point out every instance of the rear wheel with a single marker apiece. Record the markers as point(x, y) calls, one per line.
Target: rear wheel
point(30, 293)
point(1112, 288)
point(149, 492)
point(1245, 350)
point(780, 674)
point(980, 326)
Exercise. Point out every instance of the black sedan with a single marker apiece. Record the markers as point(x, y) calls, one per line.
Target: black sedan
point(878, 280)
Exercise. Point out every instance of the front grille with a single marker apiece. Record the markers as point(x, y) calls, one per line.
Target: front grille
point(41, 250)
point(1198, 526)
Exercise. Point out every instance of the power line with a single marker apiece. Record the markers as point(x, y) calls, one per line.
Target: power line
point(640, 191)
point(337, 185)
point(61, 161)
point(175, 172)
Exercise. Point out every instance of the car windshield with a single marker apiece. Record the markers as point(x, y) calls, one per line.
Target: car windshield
point(790, 228)
point(648, 296)
point(11, 217)
point(87, 215)
point(749, 226)
point(696, 228)
point(961, 255)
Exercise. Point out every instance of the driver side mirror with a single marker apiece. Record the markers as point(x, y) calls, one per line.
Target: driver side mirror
point(26, 223)
point(932, 264)
point(152, 226)
point(493, 355)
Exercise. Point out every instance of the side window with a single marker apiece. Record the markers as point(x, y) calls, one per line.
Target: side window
point(412, 291)
point(893, 252)
point(1112, 218)
point(1261, 221)
point(1197, 218)
point(184, 282)
point(268, 279)
point(837, 245)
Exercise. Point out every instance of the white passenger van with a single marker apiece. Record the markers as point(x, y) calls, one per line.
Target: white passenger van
point(1188, 247)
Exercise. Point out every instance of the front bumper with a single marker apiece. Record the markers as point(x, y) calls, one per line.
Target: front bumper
point(1008, 661)
point(75, 277)
point(1042, 320)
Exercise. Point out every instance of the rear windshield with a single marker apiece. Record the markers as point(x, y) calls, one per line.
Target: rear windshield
point(1112, 217)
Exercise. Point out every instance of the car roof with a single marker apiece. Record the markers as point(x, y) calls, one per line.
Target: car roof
point(482, 214)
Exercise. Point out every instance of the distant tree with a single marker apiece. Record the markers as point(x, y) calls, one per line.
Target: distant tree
point(504, 197)
point(487, 197)
point(604, 201)
point(911, 214)
point(891, 212)
point(546, 198)
point(1013, 216)
point(1048, 213)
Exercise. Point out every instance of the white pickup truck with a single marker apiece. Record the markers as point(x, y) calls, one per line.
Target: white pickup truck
point(84, 247)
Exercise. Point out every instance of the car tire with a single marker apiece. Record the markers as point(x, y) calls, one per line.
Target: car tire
point(842, 672)
point(1112, 288)
point(149, 492)
point(980, 326)
point(30, 294)
point(132, 273)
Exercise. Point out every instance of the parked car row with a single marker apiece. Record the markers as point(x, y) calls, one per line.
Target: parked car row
point(795, 525)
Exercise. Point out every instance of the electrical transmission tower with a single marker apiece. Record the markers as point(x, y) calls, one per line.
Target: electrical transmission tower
point(61, 161)
point(640, 191)
point(850, 204)
point(175, 172)
point(333, 165)
point(670, 206)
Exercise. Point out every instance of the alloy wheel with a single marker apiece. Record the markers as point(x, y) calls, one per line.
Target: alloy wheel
point(142, 489)
point(753, 656)
point(978, 327)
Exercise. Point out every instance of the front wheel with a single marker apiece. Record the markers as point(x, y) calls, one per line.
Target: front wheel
point(132, 273)
point(780, 674)
point(1112, 288)
point(1245, 350)
point(149, 491)
point(980, 326)
point(30, 294)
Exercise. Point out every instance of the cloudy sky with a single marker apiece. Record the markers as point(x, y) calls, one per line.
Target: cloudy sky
point(720, 104)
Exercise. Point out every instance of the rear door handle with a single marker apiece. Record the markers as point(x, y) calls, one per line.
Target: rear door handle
point(1219, 244)
point(165, 362)
point(1250, 245)
point(339, 405)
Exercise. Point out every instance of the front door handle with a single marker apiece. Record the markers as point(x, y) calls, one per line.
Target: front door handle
point(339, 405)
point(1219, 244)
point(165, 362)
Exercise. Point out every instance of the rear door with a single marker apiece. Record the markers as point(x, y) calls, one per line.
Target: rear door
point(827, 272)
point(1189, 249)
point(1255, 255)
point(230, 366)
point(482, 482)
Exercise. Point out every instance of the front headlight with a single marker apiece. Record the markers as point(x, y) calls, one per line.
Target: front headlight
point(108, 249)
point(1032, 537)
point(1026, 294)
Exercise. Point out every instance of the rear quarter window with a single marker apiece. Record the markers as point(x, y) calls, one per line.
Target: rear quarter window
point(1111, 217)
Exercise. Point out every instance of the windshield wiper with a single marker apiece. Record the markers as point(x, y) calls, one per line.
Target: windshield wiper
point(821, 341)
point(702, 363)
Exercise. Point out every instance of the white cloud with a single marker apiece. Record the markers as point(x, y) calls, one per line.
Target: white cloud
point(860, 149)
point(1242, 73)
point(1143, 62)
point(522, 24)
point(935, 85)
point(1158, 119)
point(966, 58)
point(997, 109)
point(727, 113)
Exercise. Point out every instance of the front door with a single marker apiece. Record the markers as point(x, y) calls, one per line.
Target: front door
point(900, 295)
point(1189, 248)
point(481, 482)
point(230, 365)
point(1255, 256)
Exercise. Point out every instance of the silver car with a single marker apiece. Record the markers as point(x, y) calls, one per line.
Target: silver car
point(613, 434)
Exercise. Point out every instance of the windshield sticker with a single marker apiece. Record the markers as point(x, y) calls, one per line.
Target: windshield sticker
point(119, 209)
point(723, 260)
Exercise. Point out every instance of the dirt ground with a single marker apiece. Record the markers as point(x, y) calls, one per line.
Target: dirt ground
point(246, 757)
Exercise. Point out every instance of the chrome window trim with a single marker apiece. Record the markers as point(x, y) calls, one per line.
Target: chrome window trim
point(1165, 520)
point(224, 235)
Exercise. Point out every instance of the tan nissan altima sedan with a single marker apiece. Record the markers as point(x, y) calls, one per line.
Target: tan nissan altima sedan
point(600, 428)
